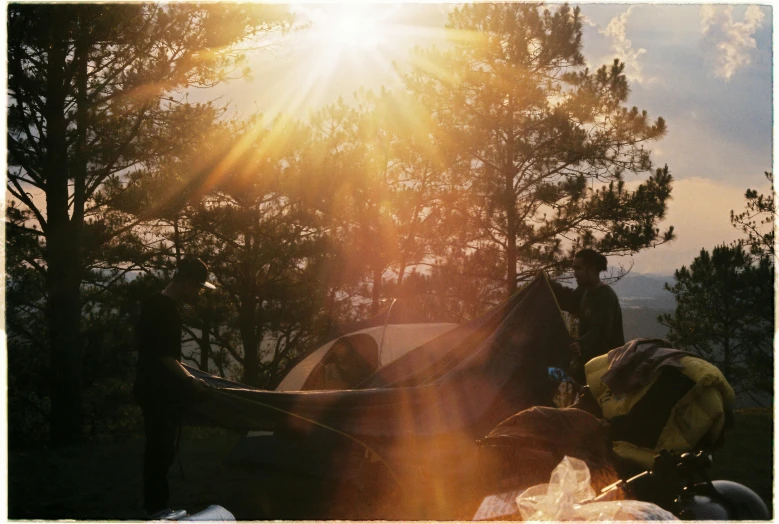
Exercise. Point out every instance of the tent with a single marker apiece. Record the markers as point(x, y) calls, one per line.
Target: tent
point(373, 344)
point(430, 404)
point(369, 345)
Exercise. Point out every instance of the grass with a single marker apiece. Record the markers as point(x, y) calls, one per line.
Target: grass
point(748, 455)
point(103, 481)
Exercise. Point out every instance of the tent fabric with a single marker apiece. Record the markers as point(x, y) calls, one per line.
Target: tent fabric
point(397, 311)
point(393, 340)
point(466, 380)
point(349, 362)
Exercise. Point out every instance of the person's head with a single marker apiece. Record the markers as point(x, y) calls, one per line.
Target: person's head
point(587, 266)
point(191, 279)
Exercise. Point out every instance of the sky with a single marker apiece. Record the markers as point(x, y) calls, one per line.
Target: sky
point(706, 69)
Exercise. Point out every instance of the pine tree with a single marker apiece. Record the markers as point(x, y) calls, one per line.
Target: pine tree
point(757, 221)
point(261, 242)
point(91, 89)
point(724, 313)
point(539, 145)
point(725, 302)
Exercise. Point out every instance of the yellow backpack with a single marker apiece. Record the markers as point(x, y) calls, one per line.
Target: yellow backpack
point(679, 409)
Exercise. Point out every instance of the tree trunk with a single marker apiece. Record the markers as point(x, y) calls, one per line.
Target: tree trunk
point(62, 255)
point(401, 274)
point(511, 254)
point(511, 209)
point(205, 337)
point(64, 318)
point(247, 316)
point(376, 295)
point(176, 240)
point(250, 341)
point(511, 237)
point(414, 221)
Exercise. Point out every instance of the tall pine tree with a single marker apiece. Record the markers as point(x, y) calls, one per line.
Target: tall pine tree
point(725, 302)
point(90, 90)
point(540, 144)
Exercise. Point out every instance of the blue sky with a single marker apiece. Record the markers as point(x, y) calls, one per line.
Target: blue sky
point(706, 69)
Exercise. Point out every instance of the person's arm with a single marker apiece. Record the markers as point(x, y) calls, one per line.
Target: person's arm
point(180, 372)
point(175, 367)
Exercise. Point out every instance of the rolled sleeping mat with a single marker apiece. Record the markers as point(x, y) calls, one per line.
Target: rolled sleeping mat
point(212, 513)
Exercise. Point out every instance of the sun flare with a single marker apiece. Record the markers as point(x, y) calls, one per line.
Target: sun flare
point(354, 28)
point(340, 45)
point(350, 27)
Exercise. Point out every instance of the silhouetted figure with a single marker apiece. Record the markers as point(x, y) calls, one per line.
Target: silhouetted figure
point(596, 306)
point(163, 387)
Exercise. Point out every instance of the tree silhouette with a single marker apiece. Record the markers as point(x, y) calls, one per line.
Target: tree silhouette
point(90, 95)
point(539, 145)
point(757, 221)
point(724, 313)
point(725, 301)
point(261, 242)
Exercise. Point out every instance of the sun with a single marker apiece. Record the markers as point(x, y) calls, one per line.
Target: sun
point(352, 27)
point(335, 48)
point(340, 41)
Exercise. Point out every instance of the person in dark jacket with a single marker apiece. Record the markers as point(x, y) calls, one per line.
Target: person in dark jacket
point(597, 308)
point(163, 387)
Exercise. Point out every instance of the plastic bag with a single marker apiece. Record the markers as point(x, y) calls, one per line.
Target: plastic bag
point(565, 495)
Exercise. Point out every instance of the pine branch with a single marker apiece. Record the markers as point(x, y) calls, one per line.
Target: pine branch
point(24, 197)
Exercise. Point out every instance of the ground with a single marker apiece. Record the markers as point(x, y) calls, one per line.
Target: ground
point(102, 481)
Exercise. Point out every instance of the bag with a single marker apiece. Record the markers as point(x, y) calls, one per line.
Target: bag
point(524, 449)
point(565, 498)
point(681, 408)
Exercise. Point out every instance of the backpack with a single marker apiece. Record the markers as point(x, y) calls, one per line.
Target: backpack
point(682, 408)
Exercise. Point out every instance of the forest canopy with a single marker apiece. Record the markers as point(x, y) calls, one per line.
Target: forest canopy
point(498, 156)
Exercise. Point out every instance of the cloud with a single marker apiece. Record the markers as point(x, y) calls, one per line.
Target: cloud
point(728, 44)
point(587, 21)
point(624, 47)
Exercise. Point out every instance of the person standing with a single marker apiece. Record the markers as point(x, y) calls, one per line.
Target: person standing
point(597, 308)
point(163, 387)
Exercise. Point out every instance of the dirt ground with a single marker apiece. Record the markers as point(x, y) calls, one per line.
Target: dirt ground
point(103, 482)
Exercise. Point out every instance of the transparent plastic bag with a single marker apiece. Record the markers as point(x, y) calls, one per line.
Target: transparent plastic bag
point(565, 495)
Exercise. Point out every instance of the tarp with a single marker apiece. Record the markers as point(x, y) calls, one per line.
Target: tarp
point(466, 380)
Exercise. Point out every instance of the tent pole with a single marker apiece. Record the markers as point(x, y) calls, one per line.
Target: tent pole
point(384, 331)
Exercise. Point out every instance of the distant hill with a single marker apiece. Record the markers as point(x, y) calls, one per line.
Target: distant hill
point(643, 298)
point(641, 322)
point(645, 291)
